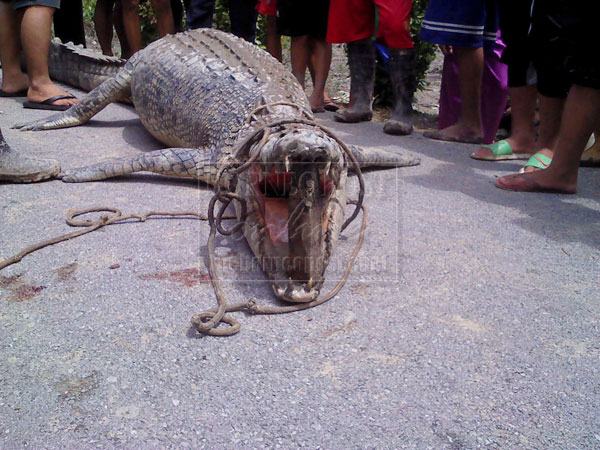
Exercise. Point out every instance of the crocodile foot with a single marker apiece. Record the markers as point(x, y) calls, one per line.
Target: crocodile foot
point(59, 120)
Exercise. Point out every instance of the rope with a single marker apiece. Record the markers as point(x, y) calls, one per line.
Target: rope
point(207, 322)
point(90, 226)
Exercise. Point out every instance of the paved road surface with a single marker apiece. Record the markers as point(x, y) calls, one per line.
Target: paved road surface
point(470, 321)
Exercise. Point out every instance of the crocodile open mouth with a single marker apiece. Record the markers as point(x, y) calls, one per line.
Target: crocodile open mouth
point(291, 188)
point(292, 202)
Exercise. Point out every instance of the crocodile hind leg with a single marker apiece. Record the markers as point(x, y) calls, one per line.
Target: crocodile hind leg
point(114, 89)
point(176, 162)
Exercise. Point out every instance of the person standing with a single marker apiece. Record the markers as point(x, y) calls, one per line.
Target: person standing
point(464, 29)
point(306, 24)
point(29, 25)
point(563, 38)
point(358, 22)
point(242, 13)
point(131, 21)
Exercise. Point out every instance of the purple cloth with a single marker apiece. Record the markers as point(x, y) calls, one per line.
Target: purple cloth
point(494, 93)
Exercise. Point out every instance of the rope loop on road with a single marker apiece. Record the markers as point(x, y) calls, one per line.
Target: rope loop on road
point(227, 176)
point(207, 322)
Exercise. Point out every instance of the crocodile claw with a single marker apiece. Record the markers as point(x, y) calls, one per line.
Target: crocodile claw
point(47, 123)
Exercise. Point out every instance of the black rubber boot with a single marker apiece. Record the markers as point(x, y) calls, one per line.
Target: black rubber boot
point(21, 169)
point(404, 82)
point(361, 59)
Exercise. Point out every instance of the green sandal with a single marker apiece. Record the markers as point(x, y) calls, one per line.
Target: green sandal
point(501, 151)
point(538, 161)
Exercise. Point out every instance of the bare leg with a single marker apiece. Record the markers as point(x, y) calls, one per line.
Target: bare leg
point(131, 23)
point(120, 29)
point(523, 100)
point(35, 37)
point(580, 118)
point(164, 17)
point(321, 52)
point(299, 51)
point(329, 105)
point(13, 79)
point(103, 25)
point(273, 38)
point(470, 71)
point(550, 116)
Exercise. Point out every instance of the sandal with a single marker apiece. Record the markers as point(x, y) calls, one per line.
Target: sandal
point(501, 151)
point(538, 161)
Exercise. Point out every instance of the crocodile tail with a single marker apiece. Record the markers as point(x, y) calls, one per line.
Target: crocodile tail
point(376, 157)
point(80, 67)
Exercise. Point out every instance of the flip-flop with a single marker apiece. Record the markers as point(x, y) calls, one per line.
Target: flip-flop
point(22, 93)
point(501, 151)
point(330, 106)
point(439, 136)
point(537, 161)
point(524, 183)
point(591, 154)
point(48, 104)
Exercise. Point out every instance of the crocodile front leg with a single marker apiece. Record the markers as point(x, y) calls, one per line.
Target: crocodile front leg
point(176, 162)
point(114, 89)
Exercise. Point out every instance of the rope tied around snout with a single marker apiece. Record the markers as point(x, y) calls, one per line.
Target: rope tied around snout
point(207, 322)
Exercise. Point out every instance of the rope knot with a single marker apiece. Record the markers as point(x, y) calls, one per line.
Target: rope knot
point(252, 306)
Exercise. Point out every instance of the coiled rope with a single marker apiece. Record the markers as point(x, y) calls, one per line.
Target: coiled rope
point(207, 322)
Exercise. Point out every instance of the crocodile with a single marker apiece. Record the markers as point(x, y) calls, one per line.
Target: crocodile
point(216, 100)
point(80, 67)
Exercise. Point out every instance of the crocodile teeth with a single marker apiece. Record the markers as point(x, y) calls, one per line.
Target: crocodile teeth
point(327, 168)
point(287, 164)
point(309, 285)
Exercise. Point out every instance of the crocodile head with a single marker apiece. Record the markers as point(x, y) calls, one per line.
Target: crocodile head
point(295, 193)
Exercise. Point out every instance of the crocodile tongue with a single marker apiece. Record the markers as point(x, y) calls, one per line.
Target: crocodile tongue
point(276, 219)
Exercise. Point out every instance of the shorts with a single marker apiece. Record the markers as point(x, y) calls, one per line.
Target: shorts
point(461, 23)
point(306, 18)
point(267, 7)
point(565, 43)
point(353, 20)
point(515, 23)
point(18, 4)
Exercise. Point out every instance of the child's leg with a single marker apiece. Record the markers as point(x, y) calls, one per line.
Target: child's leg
point(273, 38)
point(321, 60)
point(164, 17)
point(299, 53)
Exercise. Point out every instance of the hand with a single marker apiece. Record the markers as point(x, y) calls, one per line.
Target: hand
point(446, 49)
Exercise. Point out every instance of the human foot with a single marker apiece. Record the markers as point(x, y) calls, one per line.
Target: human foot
point(316, 103)
point(40, 94)
point(456, 133)
point(505, 149)
point(12, 86)
point(540, 181)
